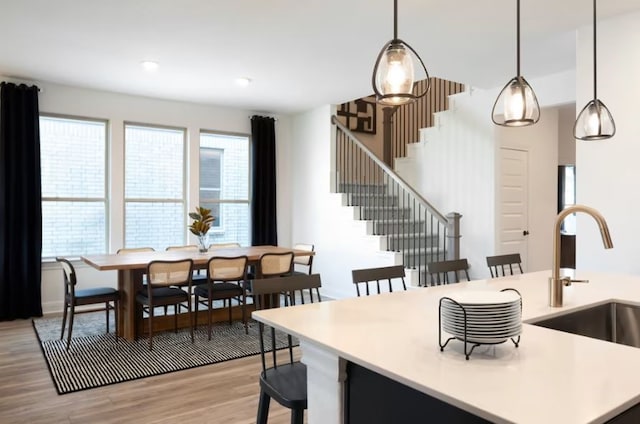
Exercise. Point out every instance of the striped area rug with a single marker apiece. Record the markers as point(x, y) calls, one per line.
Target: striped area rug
point(95, 359)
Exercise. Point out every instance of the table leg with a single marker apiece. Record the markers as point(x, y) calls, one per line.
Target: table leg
point(130, 315)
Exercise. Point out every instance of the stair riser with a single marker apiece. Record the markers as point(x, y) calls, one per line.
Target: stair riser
point(374, 213)
point(397, 227)
point(364, 189)
point(410, 242)
point(422, 259)
point(372, 201)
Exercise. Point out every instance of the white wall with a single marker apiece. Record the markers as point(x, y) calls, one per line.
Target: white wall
point(455, 167)
point(117, 108)
point(566, 142)
point(318, 216)
point(608, 171)
point(541, 143)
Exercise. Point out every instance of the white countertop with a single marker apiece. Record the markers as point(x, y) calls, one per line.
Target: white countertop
point(552, 377)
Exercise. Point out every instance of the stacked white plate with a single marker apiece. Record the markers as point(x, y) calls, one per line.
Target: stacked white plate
point(491, 316)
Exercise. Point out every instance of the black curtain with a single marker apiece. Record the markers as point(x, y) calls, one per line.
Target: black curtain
point(21, 198)
point(263, 200)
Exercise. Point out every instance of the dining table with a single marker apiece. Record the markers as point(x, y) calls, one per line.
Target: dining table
point(132, 266)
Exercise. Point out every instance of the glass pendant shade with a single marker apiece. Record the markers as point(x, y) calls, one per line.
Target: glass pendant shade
point(594, 122)
point(394, 73)
point(516, 105)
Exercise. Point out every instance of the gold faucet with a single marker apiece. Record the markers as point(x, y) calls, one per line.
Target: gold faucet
point(555, 282)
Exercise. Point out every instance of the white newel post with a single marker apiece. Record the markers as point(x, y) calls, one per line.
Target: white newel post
point(326, 373)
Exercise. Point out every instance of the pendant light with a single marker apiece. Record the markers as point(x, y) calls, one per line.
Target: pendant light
point(516, 105)
point(594, 121)
point(394, 71)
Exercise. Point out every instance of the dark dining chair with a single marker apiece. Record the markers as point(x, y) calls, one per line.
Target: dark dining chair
point(225, 281)
point(78, 297)
point(440, 272)
point(163, 288)
point(283, 381)
point(501, 263)
point(366, 276)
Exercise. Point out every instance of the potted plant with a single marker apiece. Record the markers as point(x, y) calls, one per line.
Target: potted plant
point(202, 220)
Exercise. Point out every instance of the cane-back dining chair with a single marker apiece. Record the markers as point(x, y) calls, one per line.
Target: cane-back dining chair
point(445, 272)
point(127, 250)
point(275, 265)
point(283, 381)
point(370, 275)
point(303, 264)
point(225, 281)
point(164, 279)
point(218, 246)
point(502, 265)
point(78, 297)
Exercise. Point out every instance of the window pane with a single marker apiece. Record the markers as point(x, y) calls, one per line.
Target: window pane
point(73, 228)
point(154, 163)
point(233, 152)
point(154, 224)
point(234, 223)
point(72, 157)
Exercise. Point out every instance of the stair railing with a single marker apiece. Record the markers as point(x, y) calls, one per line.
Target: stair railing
point(410, 223)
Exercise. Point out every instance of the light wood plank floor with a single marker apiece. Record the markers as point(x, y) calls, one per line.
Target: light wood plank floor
point(220, 393)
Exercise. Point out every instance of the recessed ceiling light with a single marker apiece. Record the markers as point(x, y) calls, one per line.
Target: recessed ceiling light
point(243, 82)
point(149, 65)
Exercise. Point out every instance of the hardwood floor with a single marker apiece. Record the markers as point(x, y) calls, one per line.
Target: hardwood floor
point(220, 393)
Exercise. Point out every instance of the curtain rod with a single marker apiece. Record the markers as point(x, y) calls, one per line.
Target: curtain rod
point(275, 119)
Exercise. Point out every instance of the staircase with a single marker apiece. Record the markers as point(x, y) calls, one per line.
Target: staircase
point(408, 224)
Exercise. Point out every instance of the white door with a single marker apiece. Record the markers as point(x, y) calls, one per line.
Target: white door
point(514, 203)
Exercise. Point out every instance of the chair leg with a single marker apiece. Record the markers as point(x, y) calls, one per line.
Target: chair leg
point(72, 313)
point(106, 313)
point(210, 305)
point(190, 317)
point(196, 307)
point(230, 313)
point(150, 327)
point(263, 408)
point(116, 304)
point(244, 316)
point(176, 310)
point(297, 416)
point(64, 319)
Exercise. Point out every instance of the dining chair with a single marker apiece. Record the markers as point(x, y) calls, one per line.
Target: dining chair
point(304, 262)
point(225, 278)
point(283, 381)
point(79, 297)
point(128, 250)
point(275, 265)
point(163, 288)
point(369, 275)
point(218, 246)
point(198, 277)
point(439, 272)
point(502, 263)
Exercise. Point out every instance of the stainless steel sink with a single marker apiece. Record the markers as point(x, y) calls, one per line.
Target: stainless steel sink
point(614, 322)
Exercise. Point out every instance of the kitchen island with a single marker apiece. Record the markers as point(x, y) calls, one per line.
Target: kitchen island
point(552, 377)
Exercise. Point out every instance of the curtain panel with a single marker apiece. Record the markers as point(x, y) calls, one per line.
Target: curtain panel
point(21, 203)
point(263, 199)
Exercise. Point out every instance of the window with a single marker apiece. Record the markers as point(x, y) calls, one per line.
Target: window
point(74, 175)
point(154, 186)
point(224, 186)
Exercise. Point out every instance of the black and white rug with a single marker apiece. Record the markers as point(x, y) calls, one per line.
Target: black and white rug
point(95, 359)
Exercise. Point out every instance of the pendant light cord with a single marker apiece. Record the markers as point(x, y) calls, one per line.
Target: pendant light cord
point(595, 72)
point(518, 37)
point(395, 19)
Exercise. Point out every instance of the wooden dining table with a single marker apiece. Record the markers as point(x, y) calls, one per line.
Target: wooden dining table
point(132, 266)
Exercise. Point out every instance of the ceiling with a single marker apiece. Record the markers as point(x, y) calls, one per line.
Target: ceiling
point(298, 53)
